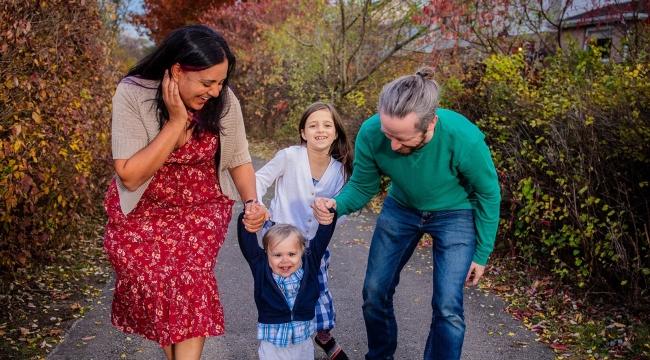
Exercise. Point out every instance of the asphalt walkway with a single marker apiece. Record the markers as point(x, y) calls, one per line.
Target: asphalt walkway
point(491, 332)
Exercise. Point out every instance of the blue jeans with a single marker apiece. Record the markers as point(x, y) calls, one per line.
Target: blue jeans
point(396, 235)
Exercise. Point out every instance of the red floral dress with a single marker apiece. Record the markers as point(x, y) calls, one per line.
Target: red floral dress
point(165, 250)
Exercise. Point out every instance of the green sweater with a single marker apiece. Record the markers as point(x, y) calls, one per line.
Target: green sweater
point(452, 171)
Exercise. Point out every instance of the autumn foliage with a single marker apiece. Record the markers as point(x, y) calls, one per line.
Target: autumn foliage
point(56, 82)
point(292, 53)
point(246, 26)
point(571, 139)
point(160, 17)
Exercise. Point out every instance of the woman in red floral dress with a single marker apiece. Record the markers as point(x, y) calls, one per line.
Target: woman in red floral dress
point(181, 157)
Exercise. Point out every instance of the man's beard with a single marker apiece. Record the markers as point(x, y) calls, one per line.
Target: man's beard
point(408, 150)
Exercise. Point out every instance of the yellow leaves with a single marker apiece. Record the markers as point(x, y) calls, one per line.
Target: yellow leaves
point(638, 71)
point(17, 145)
point(17, 129)
point(578, 317)
point(11, 82)
point(37, 117)
point(504, 67)
point(357, 98)
point(85, 94)
point(74, 145)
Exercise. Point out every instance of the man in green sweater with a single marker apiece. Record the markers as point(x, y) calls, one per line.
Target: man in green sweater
point(443, 182)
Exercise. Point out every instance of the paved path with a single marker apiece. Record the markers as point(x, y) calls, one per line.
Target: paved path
point(491, 333)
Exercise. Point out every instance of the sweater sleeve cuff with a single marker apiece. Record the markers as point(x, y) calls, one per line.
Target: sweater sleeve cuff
point(240, 159)
point(480, 258)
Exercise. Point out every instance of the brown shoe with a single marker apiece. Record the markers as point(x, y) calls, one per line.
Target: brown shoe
point(332, 349)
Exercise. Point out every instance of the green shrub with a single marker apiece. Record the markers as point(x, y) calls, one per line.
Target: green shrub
point(571, 141)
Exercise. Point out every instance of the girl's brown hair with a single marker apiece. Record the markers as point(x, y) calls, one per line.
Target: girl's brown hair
point(341, 148)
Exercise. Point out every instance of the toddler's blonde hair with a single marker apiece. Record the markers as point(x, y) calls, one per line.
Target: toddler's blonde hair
point(280, 232)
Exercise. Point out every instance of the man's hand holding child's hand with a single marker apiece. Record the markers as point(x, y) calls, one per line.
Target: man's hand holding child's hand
point(321, 207)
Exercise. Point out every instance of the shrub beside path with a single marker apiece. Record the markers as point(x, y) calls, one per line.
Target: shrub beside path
point(491, 332)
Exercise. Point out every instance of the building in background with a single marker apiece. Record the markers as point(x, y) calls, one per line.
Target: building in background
point(607, 27)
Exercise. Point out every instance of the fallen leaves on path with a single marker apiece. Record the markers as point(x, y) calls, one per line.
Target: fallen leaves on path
point(561, 317)
point(40, 302)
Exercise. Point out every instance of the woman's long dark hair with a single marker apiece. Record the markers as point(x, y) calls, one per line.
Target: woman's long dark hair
point(196, 47)
point(341, 149)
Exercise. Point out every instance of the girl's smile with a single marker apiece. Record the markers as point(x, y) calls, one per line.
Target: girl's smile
point(319, 131)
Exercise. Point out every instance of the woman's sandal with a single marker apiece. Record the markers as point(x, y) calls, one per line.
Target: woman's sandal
point(332, 349)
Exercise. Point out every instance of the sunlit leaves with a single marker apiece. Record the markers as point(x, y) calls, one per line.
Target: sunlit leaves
point(55, 92)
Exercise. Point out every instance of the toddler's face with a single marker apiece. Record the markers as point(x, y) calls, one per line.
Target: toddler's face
point(285, 257)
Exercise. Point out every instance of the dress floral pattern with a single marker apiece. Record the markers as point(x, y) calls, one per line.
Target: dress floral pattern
point(165, 250)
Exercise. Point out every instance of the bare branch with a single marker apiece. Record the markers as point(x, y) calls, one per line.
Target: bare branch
point(297, 39)
point(364, 19)
point(384, 58)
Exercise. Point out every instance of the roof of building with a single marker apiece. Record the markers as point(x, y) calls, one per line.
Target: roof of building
point(636, 10)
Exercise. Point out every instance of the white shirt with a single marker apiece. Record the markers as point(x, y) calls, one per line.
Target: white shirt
point(295, 190)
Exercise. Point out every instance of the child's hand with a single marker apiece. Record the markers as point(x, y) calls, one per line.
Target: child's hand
point(321, 207)
point(255, 214)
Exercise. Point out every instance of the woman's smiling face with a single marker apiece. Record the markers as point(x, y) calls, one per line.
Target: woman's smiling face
point(197, 87)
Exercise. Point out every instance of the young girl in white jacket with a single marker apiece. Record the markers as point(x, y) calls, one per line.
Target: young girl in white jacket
point(318, 167)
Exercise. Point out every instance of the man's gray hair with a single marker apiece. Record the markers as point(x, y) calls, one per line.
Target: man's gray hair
point(416, 93)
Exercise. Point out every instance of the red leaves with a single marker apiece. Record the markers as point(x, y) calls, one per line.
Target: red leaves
point(242, 23)
point(281, 106)
point(480, 22)
point(163, 16)
point(559, 347)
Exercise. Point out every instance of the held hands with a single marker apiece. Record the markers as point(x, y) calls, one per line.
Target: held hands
point(173, 101)
point(474, 274)
point(255, 214)
point(321, 208)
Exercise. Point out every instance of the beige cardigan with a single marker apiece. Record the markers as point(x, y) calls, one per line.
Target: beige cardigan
point(135, 125)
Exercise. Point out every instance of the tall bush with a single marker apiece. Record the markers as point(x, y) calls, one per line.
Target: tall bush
point(56, 82)
point(571, 140)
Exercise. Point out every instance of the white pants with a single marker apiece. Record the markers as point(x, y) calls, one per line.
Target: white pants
point(302, 351)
